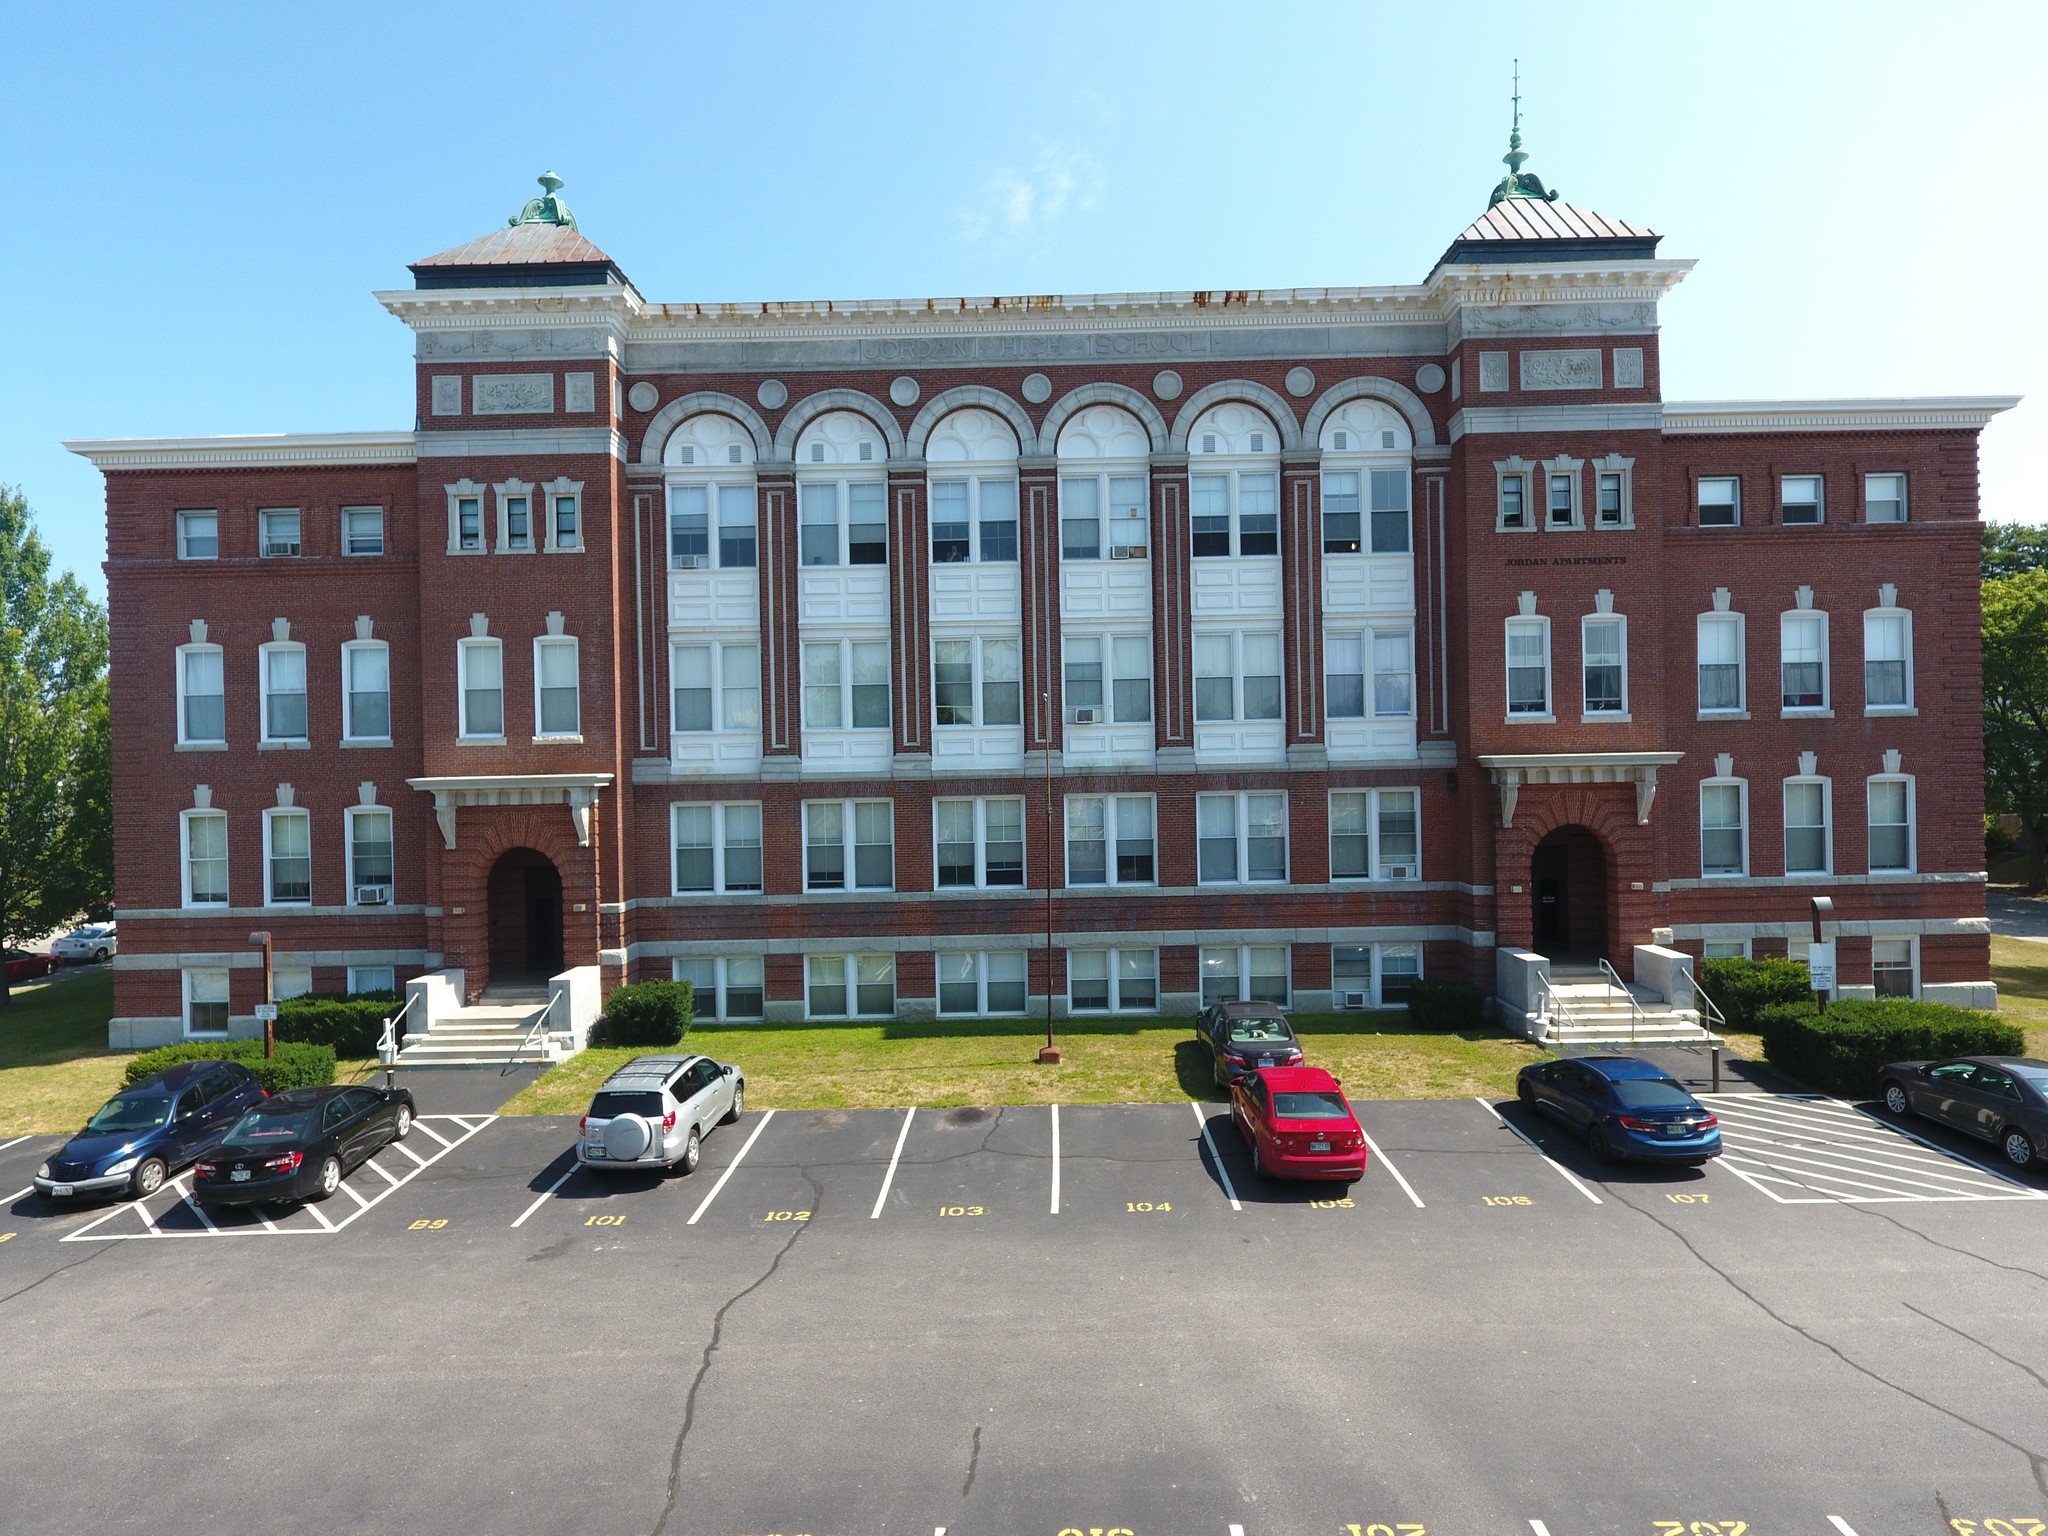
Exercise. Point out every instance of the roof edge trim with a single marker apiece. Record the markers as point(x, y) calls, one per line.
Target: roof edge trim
point(261, 451)
point(1899, 414)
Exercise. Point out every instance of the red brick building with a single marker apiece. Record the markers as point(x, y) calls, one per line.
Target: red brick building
point(919, 657)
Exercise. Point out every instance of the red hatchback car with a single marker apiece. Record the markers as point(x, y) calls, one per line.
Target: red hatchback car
point(23, 966)
point(1299, 1124)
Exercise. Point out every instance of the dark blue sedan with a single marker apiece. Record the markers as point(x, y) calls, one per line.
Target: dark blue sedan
point(142, 1135)
point(1623, 1107)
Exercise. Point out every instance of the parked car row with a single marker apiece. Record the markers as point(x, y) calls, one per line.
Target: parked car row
point(93, 944)
point(1293, 1116)
point(1999, 1099)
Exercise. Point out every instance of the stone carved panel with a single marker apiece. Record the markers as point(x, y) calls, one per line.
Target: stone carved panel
point(579, 391)
point(1493, 373)
point(512, 394)
point(1628, 367)
point(447, 394)
point(1556, 319)
point(1578, 368)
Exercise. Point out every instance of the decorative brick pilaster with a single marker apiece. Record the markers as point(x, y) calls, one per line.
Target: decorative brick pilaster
point(1038, 554)
point(1301, 602)
point(1173, 644)
point(781, 659)
point(910, 641)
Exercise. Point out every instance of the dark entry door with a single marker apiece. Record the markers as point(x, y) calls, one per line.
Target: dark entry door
point(543, 920)
point(1547, 881)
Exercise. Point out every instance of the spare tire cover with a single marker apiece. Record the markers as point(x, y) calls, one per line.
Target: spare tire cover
point(627, 1137)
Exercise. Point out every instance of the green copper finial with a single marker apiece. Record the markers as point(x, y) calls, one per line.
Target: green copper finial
point(547, 208)
point(1517, 182)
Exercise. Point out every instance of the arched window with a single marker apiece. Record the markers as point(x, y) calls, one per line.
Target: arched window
point(842, 491)
point(709, 469)
point(1104, 485)
point(1368, 456)
point(973, 482)
point(1234, 482)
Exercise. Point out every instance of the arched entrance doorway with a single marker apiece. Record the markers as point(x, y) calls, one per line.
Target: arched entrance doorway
point(525, 898)
point(1568, 886)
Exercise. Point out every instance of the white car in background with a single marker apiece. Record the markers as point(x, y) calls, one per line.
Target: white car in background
point(88, 945)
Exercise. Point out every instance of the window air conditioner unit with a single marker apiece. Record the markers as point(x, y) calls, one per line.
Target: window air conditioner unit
point(1354, 1000)
point(690, 562)
point(1119, 551)
point(1082, 716)
point(280, 547)
point(1137, 551)
point(1397, 871)
point(373, 895)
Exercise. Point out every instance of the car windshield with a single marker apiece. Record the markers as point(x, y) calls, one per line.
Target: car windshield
point(1310, 1106)
point(1257, 1031)
point(2031, 1071)
point(131, 1112)
point(1651, 1093)
point(257, 1129)
point(612, 1102)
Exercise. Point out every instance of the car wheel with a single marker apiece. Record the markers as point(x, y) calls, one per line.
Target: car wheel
point(149, 1177)
point(739, 1102)
point(99, 957)
point(2018, 1147)
point(693, 1149)
point(1258, 1162)
point(403, 1127)
point(1596, 1143)
point(1216, 1073)
point(1895, 1099)
point(330, 1178)
point(1524, 1092)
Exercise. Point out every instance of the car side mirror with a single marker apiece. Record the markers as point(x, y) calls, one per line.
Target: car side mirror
point(727, 1069)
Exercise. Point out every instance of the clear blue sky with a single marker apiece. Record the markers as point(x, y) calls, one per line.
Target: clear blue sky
point(202, 198)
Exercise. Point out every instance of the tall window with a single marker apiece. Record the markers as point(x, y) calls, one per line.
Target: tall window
point(725, 986)
point(1352, 969)
point(1803, 659)
point(1370, 674)
point(1375, 834)
point(717, 847)
point(1239, 973)
point(717, 687)
point(206, 1003)
point(198, 535)
point(848, 845)
point(1720, 663)
point(846, 685)
point(1807, 843)
point(1110, 840)
point(1365, 509)
point(1237, 676)
point(1512, 513)
point(978, 843)
point(1112, 980)
point(206, 858)
point(989, 982)
point(1561, 507)
point(565, 516)
point(284, 692)
point(974, 519)
point(1103, 515)
point(280, 528)
point(516, 529)
point(362, 530)
point(369, 856)
point(1235, 513)
point(1884, 498)
point(465, 519)
point(1604, 654)
point(1614, 492)
point(1887, 659)
point(1107, 677)
point(366, 691)
point(1891, 824)
point(287, 858)
point(1891, 967)
point(202, 696)
point(1528, 667)
point(1724, 840)
point(1800, 500)
point(555, 692)
point(850, 986)
point(981, 671)
point(1241, 838)
point(483, 688)
point(711, 526)
point(843, 523)
point(1720, 503)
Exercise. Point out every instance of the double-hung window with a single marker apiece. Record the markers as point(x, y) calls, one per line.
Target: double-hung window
point(1236, 512)
point(1528, 668)
point(974, 519)
point(482, 664)
point(1807, 841)
point(711, 526)
point(1800, 500)
point(362, 530)
point(1720, 501)
point(1891, 824)
point(978, 681)
point(1369, 822)
point(1112, 980)
point(1887, 660)
point(842, 522)
point(717, 686)
point(1613, 492)
point(717, 847)
point(1365, 509)
point(202, 696)
point(1371, 674)
point(516, 530)
point(983, 982)
point(1352, 969)
point(1891, 967)
point(366, 691)
point(1237, 676)
point(556, 696)
point(564, 501)
point(198, 535)
point(846, 685)
point(280, 528)
point(1720, 663)
point(1103, 516)
point(978, 843)
point(1724, 827)
point(1111, 840)
point(1107, 678)
point(1803, 659)
point(848, 846)
point(1244, 973)
point(284, 692)
point(1561, 497)
point(206, 858)
point(287, 858)
point(1884, 498)
point(1603, 644)
point(724, 986)
point(465, 519)
point(1241, 838)
point(206, 1003)
point(369, 855)
point(1511, 513)
point(849, 986)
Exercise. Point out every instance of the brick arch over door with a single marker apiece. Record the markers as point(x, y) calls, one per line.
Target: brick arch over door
point(1608, 812)
point(484, 834)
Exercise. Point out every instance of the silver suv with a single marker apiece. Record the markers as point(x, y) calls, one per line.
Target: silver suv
point(655, 1111)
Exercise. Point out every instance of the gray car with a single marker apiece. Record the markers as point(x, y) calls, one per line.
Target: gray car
point(2002, 1099)
point(655, 1111)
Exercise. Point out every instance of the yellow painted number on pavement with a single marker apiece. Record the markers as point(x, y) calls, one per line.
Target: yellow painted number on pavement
point(605, 1221)
point(6, 1237)
point(1701, 1527)
point(1687, 1199)
point(1508, 1200)
point(1384, 1530)
point(1096, 1530)
point(1344, 1204)
point(963, 1210)
point(2017, 1525)
point(434, 1225)
point(1143, 1206)
point(787, 1216)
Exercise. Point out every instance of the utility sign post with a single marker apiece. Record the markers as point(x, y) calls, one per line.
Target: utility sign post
point(1820, 962)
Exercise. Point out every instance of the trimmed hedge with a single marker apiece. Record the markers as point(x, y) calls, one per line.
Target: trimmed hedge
point(1446, 1004)
point(1843, 1050)
point(649, 1013)
point(352, 1025)
point(296, 1065)
point(1742, 989)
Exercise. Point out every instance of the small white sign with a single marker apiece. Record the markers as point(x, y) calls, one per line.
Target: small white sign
point(266, 1013)
point(1820, 962)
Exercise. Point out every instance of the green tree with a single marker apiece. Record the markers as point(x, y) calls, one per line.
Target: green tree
point(56, 836)
point(2010, 548)
point(2016, 706)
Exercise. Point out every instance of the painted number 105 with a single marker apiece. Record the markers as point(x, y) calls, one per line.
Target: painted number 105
point(1701, 1527)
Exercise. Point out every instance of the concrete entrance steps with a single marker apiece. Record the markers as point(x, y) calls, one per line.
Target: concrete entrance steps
point(487, 1034)
point(1590, 1009)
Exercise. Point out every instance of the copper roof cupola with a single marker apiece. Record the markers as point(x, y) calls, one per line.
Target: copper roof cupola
point(540, 247)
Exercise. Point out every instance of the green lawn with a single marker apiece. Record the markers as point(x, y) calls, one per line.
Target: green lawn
point(55, 1068)
point(994, 1061)
point(2020, 967)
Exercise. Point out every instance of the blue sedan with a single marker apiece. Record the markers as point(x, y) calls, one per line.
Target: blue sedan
point(144, 1134)
point(1623, 1107)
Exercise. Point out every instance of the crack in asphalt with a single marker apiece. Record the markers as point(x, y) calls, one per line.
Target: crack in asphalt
point(973, 1463)
point(1971, 1338)
point(675, 1459)
point(53, 1274)
point(1926, 1237)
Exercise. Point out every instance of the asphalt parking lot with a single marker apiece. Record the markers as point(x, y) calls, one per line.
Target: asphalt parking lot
point(1032, 1320)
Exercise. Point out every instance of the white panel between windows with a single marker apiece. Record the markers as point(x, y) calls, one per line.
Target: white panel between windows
point(977, 593)
point(1104, 589)
point(1225, 588)
point(843, 595)
point(699, 598)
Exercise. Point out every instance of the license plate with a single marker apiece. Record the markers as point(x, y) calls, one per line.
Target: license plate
point(238, 1175)
point(595, 1152)
point(1265, 1061)
point(1319, 1146)
point(62, 1190)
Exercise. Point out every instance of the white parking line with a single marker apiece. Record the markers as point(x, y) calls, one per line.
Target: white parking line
point(200, 1211)
point(349, 1190)
point(1387, 1163)
point(729, 1167)
point(1831, 1151)
point(1541, 1529)
point(1841, 1525)
point(890, 1177)
point(1222, 1172)
point(543, 1200)
point(399, 1146)
point(420, 1125)
point(321, 1216)
point(27, 1190)
point(389, 1177)
point(4, 1145)
point(1563, 1172)
point(1055, 1159)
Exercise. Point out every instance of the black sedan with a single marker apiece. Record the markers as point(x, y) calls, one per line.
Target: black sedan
point(2003, 1099)
point(1242, 1037)
point(298, 1145)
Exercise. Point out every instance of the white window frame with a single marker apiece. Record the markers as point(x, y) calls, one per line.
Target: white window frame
point(349, 818)
point(463, 490)
point(841, 484)
point(1912, 863)
point(1367, 640)
point(721, 984)
point(1237, 638)
point(1102, 472)
point(185, 897)
point(1827, 822)
point(1569, 469)
point(1232, 469)
point(1376, 958)
point(981, 880)
point(843, 645)
point(554, 493)
point(186, 999)
point(973, 479)
point(1541, 623)
point(1113, 813)
point(981, 1009)
point(1741, 628)
point(1905, 514)
point(462, 649)
point(849, 843)
point(1377, 865)
point(1741, 788)
point(358, 975)
point(263, 654)
point(202, 648)
point(1586, 710)
point(348, 536)
point(1700, 502)
point(719, 845)
point(271, 816)
point(850, 964)
point(183, 530)
point(1504, 470)
point(1827, 691)
point(1820, 500)
point(1240, 801)
point(1624, 469)
point(1912, 943)
point(978, 673)
point(1363, 464)
point(1904, 619)
point(1244, 971)
point(1106, 712)
point(1113, 963)
point(348, 723)
point(263, 539)
point(717, 649)
point(714, 480)
point(574, 647)
point(505, 491)
point(1739, 946)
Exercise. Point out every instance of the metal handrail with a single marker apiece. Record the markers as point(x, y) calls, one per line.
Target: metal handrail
point(533, 1028)
point(1712, 1011)
point(391, 1024)
point(1635, 1009)
point(1548, 1002)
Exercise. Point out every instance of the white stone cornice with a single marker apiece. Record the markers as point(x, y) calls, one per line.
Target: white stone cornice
point(424, 307)
point(272, 451)
point(578, 791)
point(522, 441)
point(1478, 419)
point(1576, 282)
point(1904, 414)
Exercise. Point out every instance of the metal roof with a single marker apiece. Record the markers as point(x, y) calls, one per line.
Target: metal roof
point(1535, 218)
point(520, 245)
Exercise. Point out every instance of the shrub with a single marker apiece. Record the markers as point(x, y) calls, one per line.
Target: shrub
point(296, 1065)
point(352, 1025)
point(1843, 1050)
point(1446, 1004)
point(648, 1013)
point(1742, 989)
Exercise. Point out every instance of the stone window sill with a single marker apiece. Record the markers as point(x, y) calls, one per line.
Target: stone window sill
point(1806, 714)
point(480, 741)
point(365, 741)
point(202, 746)
point(284, 746)
point(1532, 719)
point(1895, 711)
point(1607, 717)
point(558, 741)
point(1724, 714)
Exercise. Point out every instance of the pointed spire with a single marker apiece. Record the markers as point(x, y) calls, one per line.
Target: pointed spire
point(1517, 182)
point(547, 208)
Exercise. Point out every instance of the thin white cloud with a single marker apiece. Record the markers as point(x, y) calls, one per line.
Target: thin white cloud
point(1023, 204)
